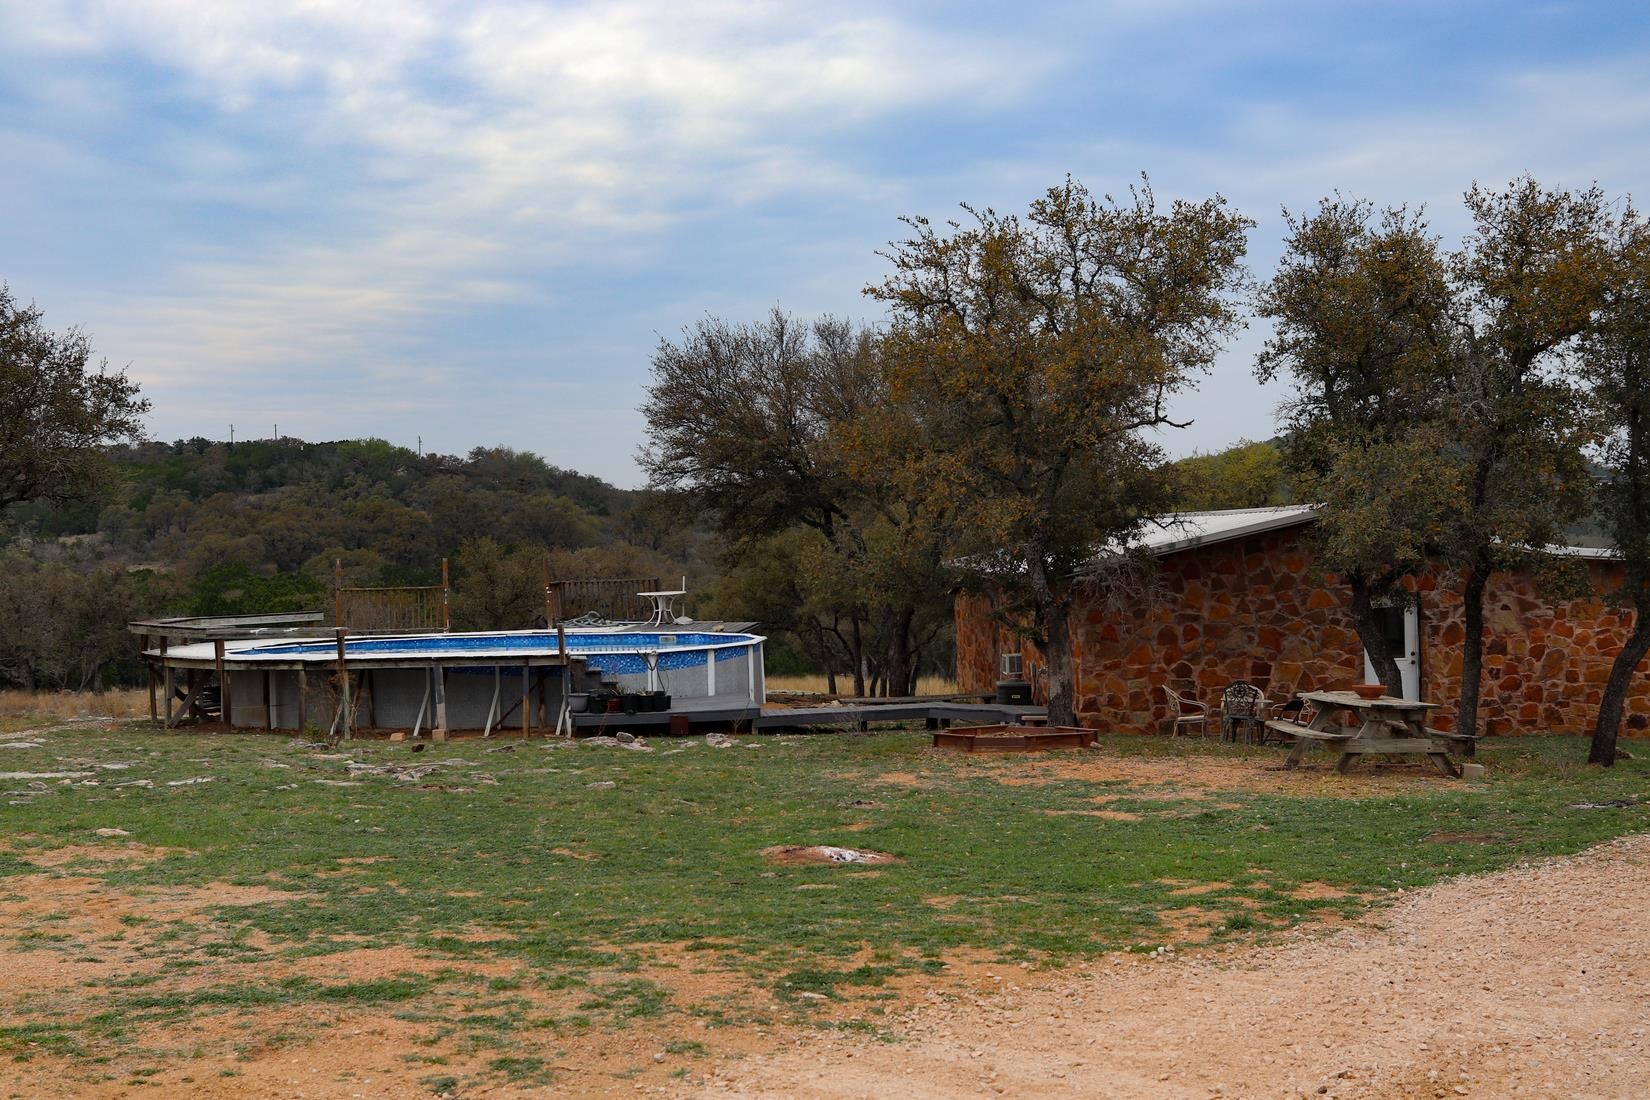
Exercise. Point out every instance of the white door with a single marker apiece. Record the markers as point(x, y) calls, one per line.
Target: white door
point(1402, 626)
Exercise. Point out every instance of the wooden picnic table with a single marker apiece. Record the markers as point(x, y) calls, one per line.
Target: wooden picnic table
point(1385, 725)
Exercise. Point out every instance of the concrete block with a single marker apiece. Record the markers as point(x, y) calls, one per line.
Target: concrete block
point(1472, 771)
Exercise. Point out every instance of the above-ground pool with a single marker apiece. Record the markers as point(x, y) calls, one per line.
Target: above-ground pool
point(467, 681)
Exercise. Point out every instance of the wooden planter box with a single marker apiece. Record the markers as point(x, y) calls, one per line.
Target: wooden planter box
point(1013, 738)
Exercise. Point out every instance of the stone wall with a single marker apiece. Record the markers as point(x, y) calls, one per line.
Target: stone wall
point(1258, 609)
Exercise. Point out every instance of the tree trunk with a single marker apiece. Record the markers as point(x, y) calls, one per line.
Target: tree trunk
point(1472, 652)
point(1374, 639)
point(1603, 750)
point(856, 647)
point(1062, 702)
point(900, 678)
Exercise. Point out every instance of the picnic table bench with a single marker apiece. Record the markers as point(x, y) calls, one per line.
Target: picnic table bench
point(1384, 725)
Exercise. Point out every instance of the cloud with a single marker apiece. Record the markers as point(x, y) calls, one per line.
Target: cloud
point(414, 157)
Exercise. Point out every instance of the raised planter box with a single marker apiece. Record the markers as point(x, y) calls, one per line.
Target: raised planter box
point(1013, 738)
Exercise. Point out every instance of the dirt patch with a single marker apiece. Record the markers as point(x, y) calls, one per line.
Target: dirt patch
point(893, 779)
point(799, 855)
point(572, 853)
point(1450, 995)
point(1314, 891)
point(1172, 778)
point(1194, 888)
point(1191, 924)
point(131, 852)
point(1181, 777)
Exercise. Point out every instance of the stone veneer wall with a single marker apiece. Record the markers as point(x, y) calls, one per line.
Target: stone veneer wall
point(1257, 609)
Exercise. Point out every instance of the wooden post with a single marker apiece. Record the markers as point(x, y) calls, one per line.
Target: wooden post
point(446, 609)
point(338, 592)
point(344, 707)
point(438, 732)
point(303, 696)
point(269, 700)
point(171, 692)
point(223, 682)
point(154, 708)
point(526, 690)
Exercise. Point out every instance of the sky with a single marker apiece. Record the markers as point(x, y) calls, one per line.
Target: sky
point(470, 224)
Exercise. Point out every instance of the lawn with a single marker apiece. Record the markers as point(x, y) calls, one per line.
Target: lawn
point(503, 909)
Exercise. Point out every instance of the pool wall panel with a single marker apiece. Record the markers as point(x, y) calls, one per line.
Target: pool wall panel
point(390, 697)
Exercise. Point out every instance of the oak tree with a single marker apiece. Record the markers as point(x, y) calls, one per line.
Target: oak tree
point(57, 409)
point(1039, 353)
point(1360, 309)
point(1529, 281)
point(781, 425)
point(1616, 361)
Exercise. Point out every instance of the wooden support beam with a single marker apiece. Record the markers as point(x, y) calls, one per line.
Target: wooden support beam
point(438, 732)
point(303, 697)
point(154, 705)
point(223, 682)
point(193, 685)
point(346, 707)
point(526, 694)
point(269, 700)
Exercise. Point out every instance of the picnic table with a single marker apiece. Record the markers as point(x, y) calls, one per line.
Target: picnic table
point(1385, 725)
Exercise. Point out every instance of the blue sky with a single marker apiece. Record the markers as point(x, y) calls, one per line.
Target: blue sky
point(472, 222)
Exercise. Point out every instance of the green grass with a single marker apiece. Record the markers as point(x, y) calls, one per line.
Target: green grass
point(515, 857)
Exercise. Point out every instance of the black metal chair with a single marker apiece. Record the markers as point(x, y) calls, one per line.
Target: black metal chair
point(1242, 713)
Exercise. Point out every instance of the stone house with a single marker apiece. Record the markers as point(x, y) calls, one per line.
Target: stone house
point(1239, 597)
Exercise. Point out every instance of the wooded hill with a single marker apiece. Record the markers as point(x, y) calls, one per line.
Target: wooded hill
point(206, 527)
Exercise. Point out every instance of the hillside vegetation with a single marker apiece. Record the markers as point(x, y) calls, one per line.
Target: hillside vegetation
point(205, 527)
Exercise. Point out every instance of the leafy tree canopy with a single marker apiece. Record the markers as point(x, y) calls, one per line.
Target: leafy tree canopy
point(57, 410)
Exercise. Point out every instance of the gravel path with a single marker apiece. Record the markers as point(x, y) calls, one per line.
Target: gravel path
point(1530, 982)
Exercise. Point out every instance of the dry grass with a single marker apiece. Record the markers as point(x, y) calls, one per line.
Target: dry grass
point(60, 705)
point(926, 685)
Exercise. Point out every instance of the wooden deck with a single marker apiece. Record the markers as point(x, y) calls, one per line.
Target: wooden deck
point(717, 714)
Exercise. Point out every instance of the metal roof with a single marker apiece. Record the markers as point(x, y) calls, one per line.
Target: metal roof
point(1184, 530)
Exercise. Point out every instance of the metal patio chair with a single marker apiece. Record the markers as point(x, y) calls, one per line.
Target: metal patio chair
point(1188, 713)
point(1242, 713)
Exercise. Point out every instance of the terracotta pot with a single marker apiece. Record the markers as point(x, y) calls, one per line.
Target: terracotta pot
point(1369, 691)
